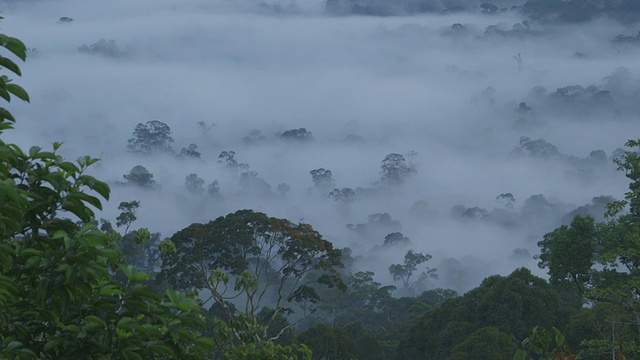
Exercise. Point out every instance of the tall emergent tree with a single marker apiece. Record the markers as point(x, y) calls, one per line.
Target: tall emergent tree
point(59, 298)
point(262, 261)
point(322, 179)
point(405, 271)
point(151, 138)
point(395, 170)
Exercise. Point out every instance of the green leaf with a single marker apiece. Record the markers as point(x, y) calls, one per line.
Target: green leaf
point(10, 65)
point(4, 94)
point(94, 323)
point(32, 261)
point(34, 150)
point(51, 344)
point(69, 167)
point(520, 355)
point(88, 199)
point(5, 114)
point(14, 45)
point(18, 91)
point(133, 274)
point(59, 234)
point(95, 185)
point(111, 289)
point(160, 348)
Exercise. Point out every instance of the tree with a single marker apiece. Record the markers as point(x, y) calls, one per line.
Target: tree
point(507, 199)
point(272, 262)
point(537, 209)
point(205, 127)
point(598, 156)
point(195, 184)
point(485, 343)
point(322, 179)
point(396, 238)
point(513, 305)
point(543, 344)
point(140, 176)
point(252, 184)
point(151, 138)
point(228, 159)
point(538, 148)
point(602, 329)
point(328, 343)
point(604, 262)
point(488, 8)
point(344, 196)
point(404, 271)
point(377, 225)
point(190, 152)
point(618, 281)
point(475, 213)
point(395, 169)
point(569, 252)
point(213, 190)
point(128, 214)
point(300, 135)
point(59, 298)
point(108, 48)
point(366, 302)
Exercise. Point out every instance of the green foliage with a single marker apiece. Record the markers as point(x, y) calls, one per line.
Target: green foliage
point(603, 260)
point(404, 271)
point(512, 305)
point(569, 252)
point(485, 343)
point(630, 164)
point(141, 248)
point(7, 88)
point(59, 298)
point(128, 214)
point(260, 261)
point(375, 319)
point(543, 344)
point(241, 337)
point(328, 343)
point(602, 329)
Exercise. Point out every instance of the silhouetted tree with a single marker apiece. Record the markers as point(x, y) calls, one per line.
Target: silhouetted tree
point(139, 175)
point(195, 184)
point(213, 190)
point(190, 152)
point(300, 135)
point(411, 262)
point(396, 238)
point(395, 169)
point(344, 196)
point(128, 214)
point(151, 138)
point(228, 159)
point(322, 179)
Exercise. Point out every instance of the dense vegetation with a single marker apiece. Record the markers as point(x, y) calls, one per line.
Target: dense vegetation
point(557, 11)
point(250, 286)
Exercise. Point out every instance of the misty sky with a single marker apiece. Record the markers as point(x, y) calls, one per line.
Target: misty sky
point(364, 87)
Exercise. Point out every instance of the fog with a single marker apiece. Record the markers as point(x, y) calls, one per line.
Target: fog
point(447, 99)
